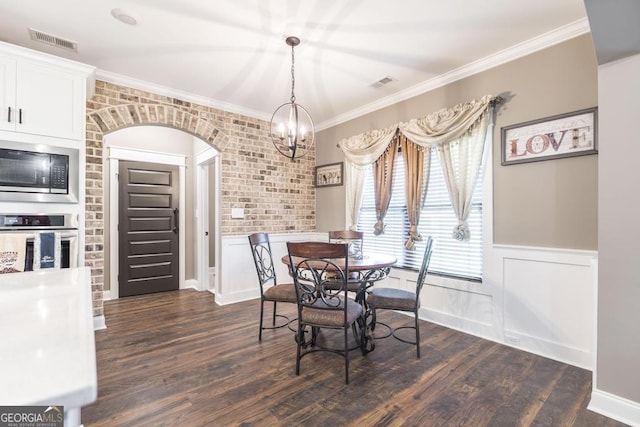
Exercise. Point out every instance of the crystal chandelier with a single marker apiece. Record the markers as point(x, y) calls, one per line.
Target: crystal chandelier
point(292, 130)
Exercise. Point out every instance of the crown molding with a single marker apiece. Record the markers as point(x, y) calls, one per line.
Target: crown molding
point(122, 80)
point(527, 47)
point(543, 41)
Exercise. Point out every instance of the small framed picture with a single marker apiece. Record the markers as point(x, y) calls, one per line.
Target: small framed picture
point(329, 175)
point(564, 135)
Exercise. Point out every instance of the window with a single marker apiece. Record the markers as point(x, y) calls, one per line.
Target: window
point(450, 257)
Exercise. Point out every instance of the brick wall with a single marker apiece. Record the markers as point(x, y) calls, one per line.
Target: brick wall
point(277, 195)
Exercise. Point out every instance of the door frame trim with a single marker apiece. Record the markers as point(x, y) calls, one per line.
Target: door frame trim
point(208, 157)
point(114, 155)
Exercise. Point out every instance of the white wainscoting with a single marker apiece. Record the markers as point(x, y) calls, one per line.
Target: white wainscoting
point(239, 281)
point(549, 303)
point(535, 299)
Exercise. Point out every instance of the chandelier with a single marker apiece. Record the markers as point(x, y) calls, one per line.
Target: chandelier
point(292, 130)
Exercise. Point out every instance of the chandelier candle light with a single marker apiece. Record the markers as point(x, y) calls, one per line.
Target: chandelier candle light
point(292, 129)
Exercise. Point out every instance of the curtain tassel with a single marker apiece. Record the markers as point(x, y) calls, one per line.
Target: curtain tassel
point(414, 237)
point(378, 229)
point(461, 232)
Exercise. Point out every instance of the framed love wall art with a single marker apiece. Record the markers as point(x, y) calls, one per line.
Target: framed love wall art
point(329, 175)
point(564, 135)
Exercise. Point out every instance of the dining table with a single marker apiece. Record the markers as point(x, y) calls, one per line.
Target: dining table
point(364, 270)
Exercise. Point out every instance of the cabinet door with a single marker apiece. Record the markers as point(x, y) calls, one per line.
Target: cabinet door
point(7, 93)
point(49, 101)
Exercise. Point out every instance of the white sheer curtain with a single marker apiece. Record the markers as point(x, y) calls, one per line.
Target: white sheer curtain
point(354, 183)
point(459, 134)
point(461, 160)
point(360, 152)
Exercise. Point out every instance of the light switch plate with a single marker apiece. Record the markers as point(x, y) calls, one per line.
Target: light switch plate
point(237, 213)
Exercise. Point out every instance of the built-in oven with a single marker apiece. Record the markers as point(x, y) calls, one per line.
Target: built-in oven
point(38, 173)
point(65, 226)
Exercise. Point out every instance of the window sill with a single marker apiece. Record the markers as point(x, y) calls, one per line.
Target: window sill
point(457, 283)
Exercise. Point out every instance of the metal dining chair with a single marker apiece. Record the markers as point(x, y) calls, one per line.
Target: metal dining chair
point(353, 238)
point(270, 290)
point(380, 298)
point(314, 265)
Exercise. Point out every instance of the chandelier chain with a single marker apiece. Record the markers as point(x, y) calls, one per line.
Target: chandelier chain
point(293, 77)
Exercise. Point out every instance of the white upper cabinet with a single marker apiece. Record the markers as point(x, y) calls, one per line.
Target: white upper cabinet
point(42, 97)
point(7, 93)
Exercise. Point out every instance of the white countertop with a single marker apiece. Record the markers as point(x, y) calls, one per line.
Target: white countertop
point(47, 345)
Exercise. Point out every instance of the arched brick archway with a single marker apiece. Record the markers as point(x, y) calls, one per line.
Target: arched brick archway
point(112, 118)
point(117, 117)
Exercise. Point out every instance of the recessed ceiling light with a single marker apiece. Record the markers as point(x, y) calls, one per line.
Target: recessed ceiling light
point(123, 17)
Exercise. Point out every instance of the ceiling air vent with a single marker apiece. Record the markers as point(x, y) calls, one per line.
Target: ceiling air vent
point(381, 82)
point(52, 40)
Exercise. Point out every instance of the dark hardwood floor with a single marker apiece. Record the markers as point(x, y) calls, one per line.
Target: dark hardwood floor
point(178, 359)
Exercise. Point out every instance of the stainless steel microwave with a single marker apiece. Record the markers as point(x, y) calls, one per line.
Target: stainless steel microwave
point(38, 173)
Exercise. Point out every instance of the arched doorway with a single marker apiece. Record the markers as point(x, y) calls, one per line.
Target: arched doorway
point(170, 147)
point(102, 121)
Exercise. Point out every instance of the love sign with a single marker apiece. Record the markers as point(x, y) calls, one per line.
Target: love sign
point(565, 135)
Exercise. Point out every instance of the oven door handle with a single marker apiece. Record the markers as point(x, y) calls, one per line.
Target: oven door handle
point(175, 221)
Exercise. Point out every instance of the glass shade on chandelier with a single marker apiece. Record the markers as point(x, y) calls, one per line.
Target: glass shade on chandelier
point(292, 130)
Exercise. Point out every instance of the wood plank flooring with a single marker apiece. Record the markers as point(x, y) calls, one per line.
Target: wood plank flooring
point(178, 359)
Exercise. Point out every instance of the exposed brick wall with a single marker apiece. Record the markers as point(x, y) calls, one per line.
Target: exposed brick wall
point(277, 195)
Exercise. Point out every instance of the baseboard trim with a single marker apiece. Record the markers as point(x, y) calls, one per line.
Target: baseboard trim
point(552, 349)
point(616, 407)
point(191, 284)
point(99, 322)
point(237, 297)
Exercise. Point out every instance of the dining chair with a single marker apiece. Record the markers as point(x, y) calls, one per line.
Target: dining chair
point(270, 290)
point(353, 238)
point(380, 298)
point(314, 265)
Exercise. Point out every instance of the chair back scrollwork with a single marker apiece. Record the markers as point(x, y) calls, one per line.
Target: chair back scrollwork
point(320, 282)
point(261, 250)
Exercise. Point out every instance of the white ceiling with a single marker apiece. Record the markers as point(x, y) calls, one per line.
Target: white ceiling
point(232, 54)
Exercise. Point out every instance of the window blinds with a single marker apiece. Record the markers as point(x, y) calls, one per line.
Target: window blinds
point(437, 219)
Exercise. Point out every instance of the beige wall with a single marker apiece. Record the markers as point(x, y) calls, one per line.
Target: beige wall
point(547, 204)
point(618, 361)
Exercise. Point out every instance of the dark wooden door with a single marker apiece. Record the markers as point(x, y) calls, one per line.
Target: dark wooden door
point(148, 228)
